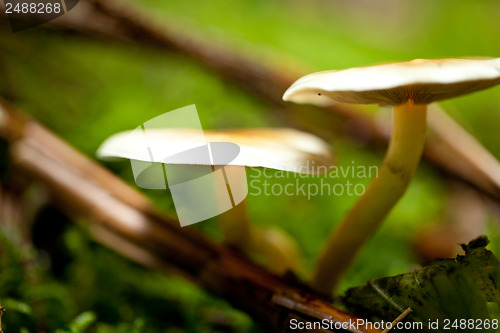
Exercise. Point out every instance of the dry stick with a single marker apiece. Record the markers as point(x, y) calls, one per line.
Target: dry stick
point(152, 239)
point(402, 316)
point(444, 148)
point(20, 125)
point(122, 22)
point(461, 153)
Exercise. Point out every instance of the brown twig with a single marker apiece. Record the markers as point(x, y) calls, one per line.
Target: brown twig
point(445, 150)
point(149, 237)
point(401, 317)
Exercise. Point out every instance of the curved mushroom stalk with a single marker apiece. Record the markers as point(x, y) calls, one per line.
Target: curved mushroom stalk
point(408, 87)
point(398, 167)
point(281, 149)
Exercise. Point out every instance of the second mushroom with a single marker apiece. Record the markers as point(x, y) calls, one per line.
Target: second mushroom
point(281, 149)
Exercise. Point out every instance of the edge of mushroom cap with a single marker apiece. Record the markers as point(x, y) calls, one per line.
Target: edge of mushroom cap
point(423, 80)
point(276, 148)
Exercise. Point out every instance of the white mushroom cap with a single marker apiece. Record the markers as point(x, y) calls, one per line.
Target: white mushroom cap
point(421, 81)
point(279, 148)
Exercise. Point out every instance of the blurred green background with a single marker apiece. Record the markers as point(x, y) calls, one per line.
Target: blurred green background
point(85, 90)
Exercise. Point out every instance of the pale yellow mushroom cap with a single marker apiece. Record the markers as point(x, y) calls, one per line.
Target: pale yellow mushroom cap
point(421, 81)
point(276, 148)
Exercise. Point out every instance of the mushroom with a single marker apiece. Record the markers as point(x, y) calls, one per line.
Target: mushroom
point(408, 87)
point(281, 149)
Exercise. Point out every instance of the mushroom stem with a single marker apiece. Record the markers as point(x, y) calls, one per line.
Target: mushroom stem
point(400, 162)
point(234, 223)
point(277, 250)
point(236, 227)
point(271, 246)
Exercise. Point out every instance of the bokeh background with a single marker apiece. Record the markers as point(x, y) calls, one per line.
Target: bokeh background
point(85, 89)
